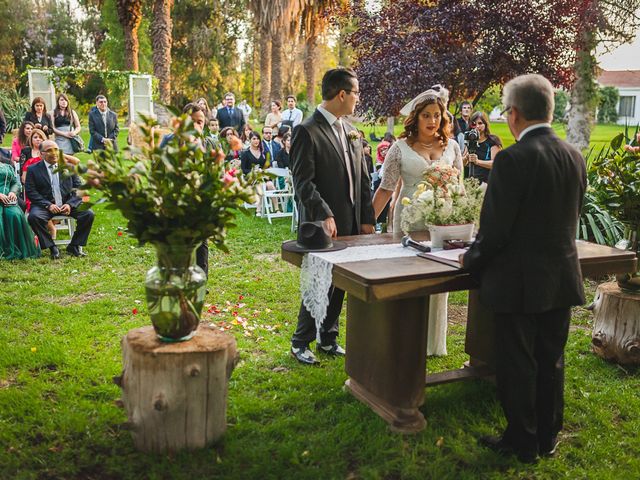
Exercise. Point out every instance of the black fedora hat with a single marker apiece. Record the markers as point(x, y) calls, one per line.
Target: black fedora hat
point(313, 238)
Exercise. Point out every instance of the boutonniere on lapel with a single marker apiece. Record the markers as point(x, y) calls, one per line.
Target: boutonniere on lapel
point(353, 135)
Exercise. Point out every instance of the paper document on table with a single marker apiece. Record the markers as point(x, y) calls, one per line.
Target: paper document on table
point(447, 257)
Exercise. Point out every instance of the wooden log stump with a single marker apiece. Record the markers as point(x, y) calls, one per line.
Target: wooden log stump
point(616, 325)
point(175, 394)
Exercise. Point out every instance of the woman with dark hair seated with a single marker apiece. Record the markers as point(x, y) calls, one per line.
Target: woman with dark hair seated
point(16, 237)
point(21, 140)
point(282, 157)
point(481, 162)
point(39, 117)
point(254, 155)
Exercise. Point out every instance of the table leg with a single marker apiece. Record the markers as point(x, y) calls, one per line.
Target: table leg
point(386, 358)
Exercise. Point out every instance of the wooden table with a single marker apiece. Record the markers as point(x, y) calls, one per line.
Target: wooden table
point(387, 309)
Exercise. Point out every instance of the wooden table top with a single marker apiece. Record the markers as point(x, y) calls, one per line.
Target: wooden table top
point(391, 278)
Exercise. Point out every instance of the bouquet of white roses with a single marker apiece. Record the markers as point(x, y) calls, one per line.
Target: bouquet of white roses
point(441, 199)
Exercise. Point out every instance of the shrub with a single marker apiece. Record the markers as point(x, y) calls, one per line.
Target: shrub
point(14, 107)
point(607, 103)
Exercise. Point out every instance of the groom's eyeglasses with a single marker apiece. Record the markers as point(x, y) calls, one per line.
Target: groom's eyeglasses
point(355, 92)
point(506, 110)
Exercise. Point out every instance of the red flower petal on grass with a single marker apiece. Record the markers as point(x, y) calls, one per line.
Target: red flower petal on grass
point(134, 311)
point(119, 233)
point(110, 247)
point(241, 297)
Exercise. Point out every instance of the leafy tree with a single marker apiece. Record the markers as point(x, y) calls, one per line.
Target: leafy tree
point(466, 45)
point(599, 22)
point(607, 105)
point(560, 110)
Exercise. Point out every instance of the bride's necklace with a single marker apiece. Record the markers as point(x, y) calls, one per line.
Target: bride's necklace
point(427, 145)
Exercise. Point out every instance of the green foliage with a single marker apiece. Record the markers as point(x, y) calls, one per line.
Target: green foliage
point(179, 194)
point(491, 98)
point(607, 103)
point(616, 178)
point(561, 100)
point(14, 107)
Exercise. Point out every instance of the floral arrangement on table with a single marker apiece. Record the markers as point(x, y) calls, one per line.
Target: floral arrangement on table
point(175, 198)
point(440, 199)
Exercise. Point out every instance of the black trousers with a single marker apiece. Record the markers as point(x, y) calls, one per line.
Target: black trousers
point(306, 329)
point(530, 375)
point(39, 217)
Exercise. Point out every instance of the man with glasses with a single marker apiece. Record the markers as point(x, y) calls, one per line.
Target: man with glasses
point(332, 186)
point(51, 194)
point(269, 146)
point(526, 260)
point(230, 115)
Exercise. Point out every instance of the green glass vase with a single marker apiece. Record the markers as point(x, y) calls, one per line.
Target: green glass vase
point(175, 290)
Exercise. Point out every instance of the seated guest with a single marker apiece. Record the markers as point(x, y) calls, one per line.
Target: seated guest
point(282, 158)
point(244, 136)
point(282, 131)
point(383, 147)
point(204, 106)
point(16, 238)
point(39, 117)
point(254, 155)
point(31, 154)
point(269, 146)
point(21, 140)
point(53, 194)
point(213, 133)
point(233, 144)
point(481, 162)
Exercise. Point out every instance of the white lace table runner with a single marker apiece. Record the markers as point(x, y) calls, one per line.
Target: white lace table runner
point(316, 273)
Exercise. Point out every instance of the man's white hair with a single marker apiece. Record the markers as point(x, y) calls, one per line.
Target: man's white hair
point(532, 95)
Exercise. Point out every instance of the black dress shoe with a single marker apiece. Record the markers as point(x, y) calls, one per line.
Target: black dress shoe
point(304, 355)
point(75, 251)
point(549, 449)
point(55, 253)
point(334, 350)
point(498, 445)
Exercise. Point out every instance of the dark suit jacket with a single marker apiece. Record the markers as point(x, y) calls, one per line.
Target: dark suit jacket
point(525, 254)
point(96, 128)
point(45, 120)
point(320, 176)
point(39, 190)
point(236, 120)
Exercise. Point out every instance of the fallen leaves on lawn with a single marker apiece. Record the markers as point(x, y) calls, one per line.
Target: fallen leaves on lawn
point(238, 316)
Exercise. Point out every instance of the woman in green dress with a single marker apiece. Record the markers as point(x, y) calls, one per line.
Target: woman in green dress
point(16, 237)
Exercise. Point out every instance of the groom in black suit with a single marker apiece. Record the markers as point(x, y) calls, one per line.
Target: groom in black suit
point(52, 194)
point(332, 185)
point(526, 259)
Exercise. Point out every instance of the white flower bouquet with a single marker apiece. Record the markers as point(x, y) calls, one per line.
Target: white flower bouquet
point(441, 199)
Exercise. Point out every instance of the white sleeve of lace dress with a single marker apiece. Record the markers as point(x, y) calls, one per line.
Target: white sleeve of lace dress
point(391, 168)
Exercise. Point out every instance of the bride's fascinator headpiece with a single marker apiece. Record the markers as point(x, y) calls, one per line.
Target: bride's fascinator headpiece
point(436, 91)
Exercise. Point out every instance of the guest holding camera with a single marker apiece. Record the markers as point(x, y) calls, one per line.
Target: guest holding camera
point(482, 147)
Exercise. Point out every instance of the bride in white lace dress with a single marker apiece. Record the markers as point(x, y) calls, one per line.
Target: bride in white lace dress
point(425, 140)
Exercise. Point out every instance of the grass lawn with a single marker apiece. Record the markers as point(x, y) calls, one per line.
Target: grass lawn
point(60, 330)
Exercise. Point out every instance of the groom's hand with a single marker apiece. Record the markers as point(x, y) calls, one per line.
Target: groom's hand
point(366, 229)
point(329, 225)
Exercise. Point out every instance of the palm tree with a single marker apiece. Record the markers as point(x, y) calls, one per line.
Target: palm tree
point(130, 16)
point(273, 18)
point(161, 39)
point(313, 23)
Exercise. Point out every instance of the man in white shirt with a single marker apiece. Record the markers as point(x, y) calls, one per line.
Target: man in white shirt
point(245, 109)
point(292, 116)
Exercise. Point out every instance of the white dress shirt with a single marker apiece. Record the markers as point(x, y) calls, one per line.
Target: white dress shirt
point(338, 130)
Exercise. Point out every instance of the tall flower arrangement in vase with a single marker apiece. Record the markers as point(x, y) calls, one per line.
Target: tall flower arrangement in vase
point(441, 199)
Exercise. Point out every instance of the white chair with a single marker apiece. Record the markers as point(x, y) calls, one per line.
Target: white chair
point(275, 202)
point(64, 223)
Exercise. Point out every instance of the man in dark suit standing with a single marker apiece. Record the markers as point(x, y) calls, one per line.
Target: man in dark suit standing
point(103, 125)
point(332, 185)
point(230, 115)
point(526, 260)
point(52, 194)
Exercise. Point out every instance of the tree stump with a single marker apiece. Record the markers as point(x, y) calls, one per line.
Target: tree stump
point(616, 325)
point(175, 394)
